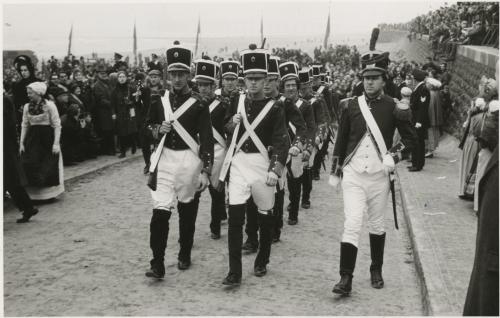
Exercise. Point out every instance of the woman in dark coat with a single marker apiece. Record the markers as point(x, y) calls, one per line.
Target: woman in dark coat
point(482, 294)
point(123, 104)
point(25, 68)
point(14, 178)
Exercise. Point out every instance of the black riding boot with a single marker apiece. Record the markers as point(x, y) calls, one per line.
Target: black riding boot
point(306, 188)
point(278, 212)
point(266, 224)
point(348, 254)
point(377, 244)
point(187, 221)
point(158, 241)
point(235, 240)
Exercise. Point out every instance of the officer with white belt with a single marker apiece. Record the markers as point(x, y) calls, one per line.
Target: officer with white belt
point(366, 131)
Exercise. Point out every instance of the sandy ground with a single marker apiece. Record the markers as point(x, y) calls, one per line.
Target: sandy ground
point(86, 254)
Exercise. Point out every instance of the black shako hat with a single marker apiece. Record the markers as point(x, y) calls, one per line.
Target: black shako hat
point(179, 58)
point(254, 60)
point(316, 69)
point(206, 70)
point(289, 70)
point(305, 76)
point(374, 62)
point(272, 66)
point(229, 68)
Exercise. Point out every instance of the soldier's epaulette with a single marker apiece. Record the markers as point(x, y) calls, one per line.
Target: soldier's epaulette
point(344, 103)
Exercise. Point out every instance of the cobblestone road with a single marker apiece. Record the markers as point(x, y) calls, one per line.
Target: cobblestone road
point(86, 254)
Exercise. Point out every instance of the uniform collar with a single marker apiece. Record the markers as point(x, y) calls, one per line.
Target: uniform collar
point(378, 97)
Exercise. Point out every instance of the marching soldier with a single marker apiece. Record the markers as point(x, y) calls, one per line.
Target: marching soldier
point(320, 88)
point(182, 163)
point(321, 120)
point(293, 117)
point(206, 75)
point(289, 73)
point(256, 156)
point(360, 155)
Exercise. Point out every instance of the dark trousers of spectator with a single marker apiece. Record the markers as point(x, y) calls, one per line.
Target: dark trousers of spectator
point(251, 227)
point(294, 189)
point(127, 142)
point(418, 153)
point(21, 198)
point(107, 142)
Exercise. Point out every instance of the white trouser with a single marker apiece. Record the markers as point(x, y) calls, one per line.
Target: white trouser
point(219, 155)
point(247, 177)
point(364, 192)
point(177, 178)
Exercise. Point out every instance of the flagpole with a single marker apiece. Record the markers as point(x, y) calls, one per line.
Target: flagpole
point(197, 38)
point(70, 39)
point(135, 46)
point(327, 32)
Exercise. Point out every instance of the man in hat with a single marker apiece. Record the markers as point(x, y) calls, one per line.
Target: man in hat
point(154, 64)
point(321, 121)
point(119, 64)
point(103, 111)
point(155, 85)
point(256, 155)
point(360, 155)
point(206, 76)
point(182, 163)
point(303, 139)
point(419, 104)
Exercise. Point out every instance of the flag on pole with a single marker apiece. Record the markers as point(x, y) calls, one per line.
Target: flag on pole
point(261, 29)
point(135, 46)
point(327, 33)
point(70, 39)
point(197, 37)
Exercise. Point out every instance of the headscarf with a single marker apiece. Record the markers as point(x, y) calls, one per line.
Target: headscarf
point(38, 87)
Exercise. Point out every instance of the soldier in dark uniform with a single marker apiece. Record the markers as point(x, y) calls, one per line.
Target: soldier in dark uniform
point(142, 100)
point(289, 73)
point(321, 89)
point(294, 118)
point(206, 76)
point(257, 155)
point(182, 163)
point(321, 120)
point(419, 104)
point(361, 158)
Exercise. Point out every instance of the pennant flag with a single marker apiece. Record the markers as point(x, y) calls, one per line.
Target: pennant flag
point(70, 39)
point(135, 46)
point(327, 33)
point(197, 37)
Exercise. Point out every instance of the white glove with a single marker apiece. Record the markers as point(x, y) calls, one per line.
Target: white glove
point(388, 163)
point(56, 149)
point(294, 151)
point(334, 180)
point(418, 125)
point(21, 148)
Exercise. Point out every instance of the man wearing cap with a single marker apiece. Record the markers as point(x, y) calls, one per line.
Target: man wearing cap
point(103, 111)
point(419, 104)
point(360, 155)
point(256, 155)
point(206, 75)
point(119, 64)
point(293, 118)
point(321, 121)
point(155, 64)
point(289, 73)
point(182, 163)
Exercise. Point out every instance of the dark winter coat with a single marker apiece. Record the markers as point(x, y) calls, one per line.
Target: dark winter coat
point(123, 104)
point(103, 110)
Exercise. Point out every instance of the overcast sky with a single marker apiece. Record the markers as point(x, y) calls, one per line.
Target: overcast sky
point(48, 24)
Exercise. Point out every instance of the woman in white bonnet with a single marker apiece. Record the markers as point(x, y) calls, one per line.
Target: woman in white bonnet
point(435, 116)
point(39, 145)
